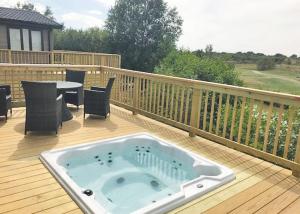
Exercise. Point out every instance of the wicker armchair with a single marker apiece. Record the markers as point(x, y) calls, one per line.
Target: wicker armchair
point(43, 107)
point(96, 100)
point(75, 97)
point(5, 100)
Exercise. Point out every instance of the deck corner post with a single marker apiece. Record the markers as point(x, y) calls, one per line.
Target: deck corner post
point(296, 172)
point(195, 111)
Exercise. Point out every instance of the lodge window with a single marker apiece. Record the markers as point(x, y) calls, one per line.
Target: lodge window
point(36, 40)
point(25, 39)
point(15, 39)
point(26, 46)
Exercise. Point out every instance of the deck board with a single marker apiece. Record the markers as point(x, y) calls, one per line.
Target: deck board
point(26, 186)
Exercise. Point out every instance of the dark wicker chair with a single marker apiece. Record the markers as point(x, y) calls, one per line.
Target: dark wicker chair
point(43, 107)
point(75, 97)
point(96, 100)
point(5, 100)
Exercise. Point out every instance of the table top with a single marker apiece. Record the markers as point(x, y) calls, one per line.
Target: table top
point(66, 84)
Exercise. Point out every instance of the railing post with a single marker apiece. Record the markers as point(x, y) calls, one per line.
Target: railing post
point(136, 95)
point(195, 111)
point(93, 58)
point(119, 61)
point(52, 57)
point(296, 172)
point(9, 56)
point(61, 58)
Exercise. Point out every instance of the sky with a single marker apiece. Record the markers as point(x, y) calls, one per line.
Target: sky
point(264, 26)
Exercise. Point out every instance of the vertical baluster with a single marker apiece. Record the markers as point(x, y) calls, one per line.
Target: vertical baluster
point(162, 99)
point(205, 110)
point(176, 104)
point(172, 102)
point(154, 97)
point(147, 94)
point(266, 138)
point(187, 102)
point(233, 117)
point(181, 104)
point(150, 98)
point(278, 128)
point(199, 109)
point(212, 110)
point(249, 122)
point(219, 113)
point(226, 115)
point(241, 120)
point(289, 131)
point(167, 100)
point(158, 98)
point(258, 123)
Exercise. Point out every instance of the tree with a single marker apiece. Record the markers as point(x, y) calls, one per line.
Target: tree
point(48, 13)
point(279, 58)
point(209, 49)
point(26, 6)
point(142, 31)
point(90, 40)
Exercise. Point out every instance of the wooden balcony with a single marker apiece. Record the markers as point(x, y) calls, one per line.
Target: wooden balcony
point(233, 126)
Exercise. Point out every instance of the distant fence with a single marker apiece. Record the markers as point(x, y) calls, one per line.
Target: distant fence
point(59, 57)
point(261, 123)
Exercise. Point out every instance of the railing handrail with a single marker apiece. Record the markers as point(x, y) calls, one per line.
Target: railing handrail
point(84, 52)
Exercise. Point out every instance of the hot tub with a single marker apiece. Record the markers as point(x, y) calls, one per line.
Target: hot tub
point(133, 174)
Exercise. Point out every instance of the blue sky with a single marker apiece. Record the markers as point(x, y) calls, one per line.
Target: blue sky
point(267, 26)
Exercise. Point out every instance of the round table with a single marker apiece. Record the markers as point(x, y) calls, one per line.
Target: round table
point(62, 87)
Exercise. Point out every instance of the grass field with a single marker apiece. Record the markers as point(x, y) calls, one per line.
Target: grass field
point(284, 78)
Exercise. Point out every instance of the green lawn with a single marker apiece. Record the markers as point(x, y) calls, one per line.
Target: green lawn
point(283, 78)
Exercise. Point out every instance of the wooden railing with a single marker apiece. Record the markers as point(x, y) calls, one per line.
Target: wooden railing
point(261, 123)
point(59, 57)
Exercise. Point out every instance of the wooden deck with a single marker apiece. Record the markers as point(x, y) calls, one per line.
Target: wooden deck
point(26, 186)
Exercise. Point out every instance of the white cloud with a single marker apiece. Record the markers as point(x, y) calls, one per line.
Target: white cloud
point(81, 21)
point(10, 3)
point(268, 26)
point(95, 12)
point(106, 3)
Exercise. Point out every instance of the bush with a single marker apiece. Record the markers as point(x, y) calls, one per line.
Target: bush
point(265, 64)
point(188, 65)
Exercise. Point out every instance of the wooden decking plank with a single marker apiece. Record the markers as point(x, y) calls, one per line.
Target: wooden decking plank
point(22, 170)
point(27, 186)
point(271, 194)
point(282, 201)
point(27, 180)
point(42, 205)
point(292, 208)
point(63, 208)
point(29, 193)
point(21, 176)
point(249, 193)
point(76, 211)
